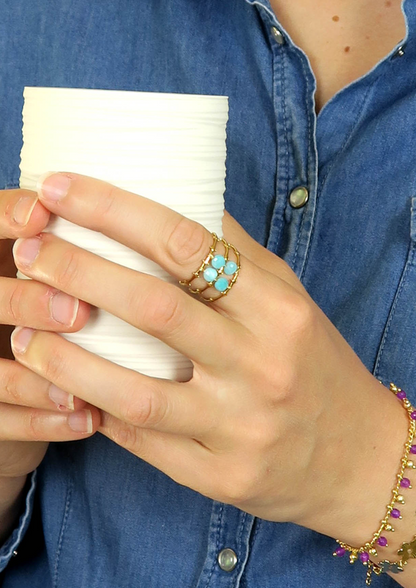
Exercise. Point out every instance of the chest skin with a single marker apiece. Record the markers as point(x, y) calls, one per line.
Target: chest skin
point(343, 40)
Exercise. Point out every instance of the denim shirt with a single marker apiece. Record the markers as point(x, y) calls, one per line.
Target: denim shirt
point(100, 517)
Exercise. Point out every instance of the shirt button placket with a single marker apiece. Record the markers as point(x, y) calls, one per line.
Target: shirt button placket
point(228, 547)
point(296, 157)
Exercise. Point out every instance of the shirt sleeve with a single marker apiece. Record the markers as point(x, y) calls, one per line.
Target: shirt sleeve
point(9, 548)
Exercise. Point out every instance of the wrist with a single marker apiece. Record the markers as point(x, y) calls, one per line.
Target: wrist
point(382, 552)
point(369, 453)
point(376, 475)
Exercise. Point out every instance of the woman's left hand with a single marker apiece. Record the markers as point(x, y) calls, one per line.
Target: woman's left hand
point(275, 419)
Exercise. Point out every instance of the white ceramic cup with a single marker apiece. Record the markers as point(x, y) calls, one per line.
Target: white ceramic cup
point(167, 147)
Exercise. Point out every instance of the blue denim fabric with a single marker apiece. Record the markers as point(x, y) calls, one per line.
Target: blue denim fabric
point(108, 519)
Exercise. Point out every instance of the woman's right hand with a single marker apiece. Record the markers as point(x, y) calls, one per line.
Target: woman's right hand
point(32, 412)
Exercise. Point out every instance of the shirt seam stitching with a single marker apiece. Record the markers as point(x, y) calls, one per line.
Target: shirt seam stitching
point(403, 280)
point(282, 169)
point(217, 545)
point(62, 533)
point(322, 182)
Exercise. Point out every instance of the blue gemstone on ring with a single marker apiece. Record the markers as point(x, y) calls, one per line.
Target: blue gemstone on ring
point(210, 274)
point(230, 268)
point(218, 261)
point(221, 284)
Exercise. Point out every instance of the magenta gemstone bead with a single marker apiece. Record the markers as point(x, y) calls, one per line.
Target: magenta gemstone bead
point(364, 557)
point(401, 394)
point(413, 449)
point(405, 483)
point(413, 415)
point(340, 551)
point(382, 541)
point(395, 513)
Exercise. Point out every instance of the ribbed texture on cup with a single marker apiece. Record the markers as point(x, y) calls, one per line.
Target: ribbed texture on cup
point(167, 147)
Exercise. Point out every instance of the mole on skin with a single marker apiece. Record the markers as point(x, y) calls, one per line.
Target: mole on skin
point(336, 19)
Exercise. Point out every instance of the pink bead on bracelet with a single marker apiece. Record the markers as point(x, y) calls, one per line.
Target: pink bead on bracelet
point(407, 550)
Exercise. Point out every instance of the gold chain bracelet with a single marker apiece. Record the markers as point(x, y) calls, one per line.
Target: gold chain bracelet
point(407, 550)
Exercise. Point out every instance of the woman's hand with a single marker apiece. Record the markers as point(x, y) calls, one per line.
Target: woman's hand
point(280, 418)
point(29, 418)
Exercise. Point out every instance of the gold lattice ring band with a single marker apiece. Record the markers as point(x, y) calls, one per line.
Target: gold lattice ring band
point(217, 273)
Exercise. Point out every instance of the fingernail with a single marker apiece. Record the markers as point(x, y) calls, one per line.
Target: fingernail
point(53, 187)
point(81, 421)
point(20, 339)
point(60, 397)
point(25, 251)
point(64, 308)
point(23, 210)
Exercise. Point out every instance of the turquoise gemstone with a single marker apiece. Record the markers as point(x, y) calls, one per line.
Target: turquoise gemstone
point(218, 262)
point(210, 274)
point(230, 268)
point(221, 284)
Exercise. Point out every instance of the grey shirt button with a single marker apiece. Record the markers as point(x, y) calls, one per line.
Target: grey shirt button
point(299, 197)
point(399, 52)
point(227, 559)
point(277, 35)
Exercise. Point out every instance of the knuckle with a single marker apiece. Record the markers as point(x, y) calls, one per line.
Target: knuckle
point(106, 206)
point(144, 409)
point(263, 434)
point(54, 367)
point(187, 243)
point(126, 436)
point(281, 384)
point(15, 307)
point(241, 487)
point(301, 315)
point(34, 426)
point(162, 313)
point(68, 270)
point(11, 388)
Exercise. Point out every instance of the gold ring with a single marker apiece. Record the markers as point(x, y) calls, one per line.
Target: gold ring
point(217, 273)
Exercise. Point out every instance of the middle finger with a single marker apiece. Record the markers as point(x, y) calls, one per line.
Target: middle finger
point(156, 307)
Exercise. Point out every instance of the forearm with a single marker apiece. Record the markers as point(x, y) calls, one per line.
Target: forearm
point(11, 499)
